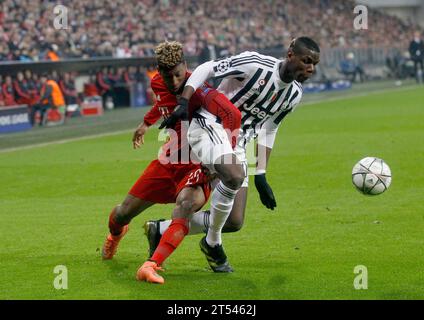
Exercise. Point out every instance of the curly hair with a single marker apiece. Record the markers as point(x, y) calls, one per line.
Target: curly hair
point(169, 54)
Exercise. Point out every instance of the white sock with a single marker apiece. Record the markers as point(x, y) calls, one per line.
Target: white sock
point(222, 201)
point(163, 225)
point(199, 223)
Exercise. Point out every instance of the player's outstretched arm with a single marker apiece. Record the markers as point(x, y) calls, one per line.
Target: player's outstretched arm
point(199, 76)
point(138, 136)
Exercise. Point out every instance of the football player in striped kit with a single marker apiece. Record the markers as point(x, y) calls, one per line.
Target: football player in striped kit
point(265, 90)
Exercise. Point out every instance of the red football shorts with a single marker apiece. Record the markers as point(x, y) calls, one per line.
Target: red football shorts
point(161, 183)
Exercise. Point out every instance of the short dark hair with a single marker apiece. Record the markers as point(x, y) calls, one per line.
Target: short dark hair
point(304, 42)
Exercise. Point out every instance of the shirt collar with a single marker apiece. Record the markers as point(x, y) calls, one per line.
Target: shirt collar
point(279, 84)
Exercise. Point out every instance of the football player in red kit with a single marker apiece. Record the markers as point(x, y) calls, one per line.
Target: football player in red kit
point(173, 177)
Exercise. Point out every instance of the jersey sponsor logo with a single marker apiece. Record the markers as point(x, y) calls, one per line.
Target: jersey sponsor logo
point(255, 111)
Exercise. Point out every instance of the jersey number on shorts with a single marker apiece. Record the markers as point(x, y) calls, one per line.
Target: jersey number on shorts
point(194, 177)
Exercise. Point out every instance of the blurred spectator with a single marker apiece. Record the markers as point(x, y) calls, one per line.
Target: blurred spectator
point(37, 82)
point(32, 88)
point(125, 28)
point(406, 68)
point(67, 86)
point(53, 53)
point(131, 75)
point(208, 51)
point(392, 64)
point(351, 69)
point(54, 75)
point(105, 82)
point(90, 88)
point(51, 97)
point(121, 90)
point(22, 93)
point(400, 66)
point(2, 102)
point(416, 50)
point(8, 91)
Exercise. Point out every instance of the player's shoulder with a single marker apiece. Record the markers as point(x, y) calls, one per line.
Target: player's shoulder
point(157, 79)
point(253, 58)
point(157, 82)
point(254, 54)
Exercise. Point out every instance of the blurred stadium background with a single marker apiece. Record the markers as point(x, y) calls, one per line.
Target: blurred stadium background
point(100, 52)
point(60, 178)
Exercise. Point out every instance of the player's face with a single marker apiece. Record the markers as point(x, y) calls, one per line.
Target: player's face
point(302, 64)
point(175, 78)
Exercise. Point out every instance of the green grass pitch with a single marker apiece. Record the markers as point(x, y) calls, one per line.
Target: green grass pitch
point(55, 201)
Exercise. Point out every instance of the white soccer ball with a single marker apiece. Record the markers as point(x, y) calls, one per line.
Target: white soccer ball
point(371, 176)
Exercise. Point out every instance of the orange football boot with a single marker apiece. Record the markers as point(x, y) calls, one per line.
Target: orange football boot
point(111, 244)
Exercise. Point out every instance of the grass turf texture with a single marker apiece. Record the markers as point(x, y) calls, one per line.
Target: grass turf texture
point(55, 202)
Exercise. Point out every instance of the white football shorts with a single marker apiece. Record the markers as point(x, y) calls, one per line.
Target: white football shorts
point(209, 141)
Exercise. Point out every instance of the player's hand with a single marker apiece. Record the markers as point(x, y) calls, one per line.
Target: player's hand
point(138, 136)
point(265, 191)
point(180, 113)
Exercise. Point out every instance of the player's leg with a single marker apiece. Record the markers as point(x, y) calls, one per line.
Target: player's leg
point(231, 176)
point(189, 200)
point(155, 185)
point(235, 220)
point(199, 222)
point(123, 213)
point(119, 219)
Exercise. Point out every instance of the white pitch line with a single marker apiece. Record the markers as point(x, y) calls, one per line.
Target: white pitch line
point(360, 94)
point(45, 144)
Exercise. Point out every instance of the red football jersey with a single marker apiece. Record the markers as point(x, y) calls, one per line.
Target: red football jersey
point(205, 96)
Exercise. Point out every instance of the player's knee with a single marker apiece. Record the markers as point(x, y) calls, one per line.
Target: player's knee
point(186, 206)
point(235, 178)
point(125, 212)
point(121, 213)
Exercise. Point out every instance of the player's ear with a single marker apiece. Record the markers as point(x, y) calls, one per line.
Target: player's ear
point(290, 53)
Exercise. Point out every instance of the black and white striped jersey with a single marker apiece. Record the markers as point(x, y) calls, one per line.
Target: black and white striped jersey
point(252, 83)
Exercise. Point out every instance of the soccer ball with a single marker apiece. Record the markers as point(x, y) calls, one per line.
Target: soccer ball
point(371, 176)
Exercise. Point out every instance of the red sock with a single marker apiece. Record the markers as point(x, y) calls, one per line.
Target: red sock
point(170, 240)
point(114, 227)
